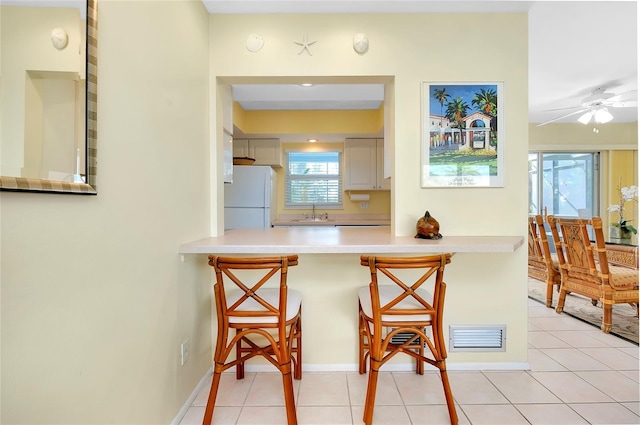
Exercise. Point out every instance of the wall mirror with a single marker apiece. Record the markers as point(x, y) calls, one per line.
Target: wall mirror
point(48, 96)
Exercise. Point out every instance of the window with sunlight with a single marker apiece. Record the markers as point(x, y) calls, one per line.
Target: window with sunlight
point(564, 184)
point(313, 178)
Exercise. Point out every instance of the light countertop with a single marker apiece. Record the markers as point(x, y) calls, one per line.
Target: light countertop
point(337, 240)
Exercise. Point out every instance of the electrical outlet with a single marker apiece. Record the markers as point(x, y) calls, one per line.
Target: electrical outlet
point(364, 205)
point(184, 352)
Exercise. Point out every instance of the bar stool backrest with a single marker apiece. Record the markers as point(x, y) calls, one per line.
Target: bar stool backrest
point(409, 302)
point(249, 305)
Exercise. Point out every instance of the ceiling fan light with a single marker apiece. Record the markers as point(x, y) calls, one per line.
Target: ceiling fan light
point(603, 116)
point(586, 117)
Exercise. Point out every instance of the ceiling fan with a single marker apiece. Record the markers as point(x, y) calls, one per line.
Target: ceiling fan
point(595, 108)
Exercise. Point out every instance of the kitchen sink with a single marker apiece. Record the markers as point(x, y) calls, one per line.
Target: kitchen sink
point(312, 220)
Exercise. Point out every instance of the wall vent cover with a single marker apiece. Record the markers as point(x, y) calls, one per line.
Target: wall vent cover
point(402, 337)
point(478, 338)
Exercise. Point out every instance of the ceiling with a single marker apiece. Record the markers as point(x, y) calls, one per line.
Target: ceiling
point(314, 97)
point(575, 47)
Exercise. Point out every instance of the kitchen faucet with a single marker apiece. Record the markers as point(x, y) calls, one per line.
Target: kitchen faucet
point(313, 211)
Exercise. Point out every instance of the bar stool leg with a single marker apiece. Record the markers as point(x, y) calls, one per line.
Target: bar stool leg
point(362, 358)
point(370, 399)
point(420, 363)
point(297, 371)
point(289, 401)
point(453, 415)
point(239, 366)
point(215, 384)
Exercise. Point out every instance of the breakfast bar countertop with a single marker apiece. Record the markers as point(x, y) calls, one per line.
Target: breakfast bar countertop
point(342, 240)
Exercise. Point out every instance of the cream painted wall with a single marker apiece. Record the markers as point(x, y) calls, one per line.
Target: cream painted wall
point(560, 137)
point(95, 300)
point(483, 288)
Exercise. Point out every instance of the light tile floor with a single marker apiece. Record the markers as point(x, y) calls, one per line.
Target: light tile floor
point(579, 375)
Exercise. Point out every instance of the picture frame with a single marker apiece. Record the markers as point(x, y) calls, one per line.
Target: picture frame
point(462, 134)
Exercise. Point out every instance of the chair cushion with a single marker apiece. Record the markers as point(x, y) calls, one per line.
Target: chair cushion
point(270, 295)
point(623, 278)
point(388, 293)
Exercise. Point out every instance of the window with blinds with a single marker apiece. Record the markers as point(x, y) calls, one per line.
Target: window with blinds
point(313, 178)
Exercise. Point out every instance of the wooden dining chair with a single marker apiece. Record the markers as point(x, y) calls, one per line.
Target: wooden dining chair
point(542, 264)
point(407, 310)
point(266, 320)
point(585, 268)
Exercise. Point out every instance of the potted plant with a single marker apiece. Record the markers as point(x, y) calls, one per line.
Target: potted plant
point(621, 229)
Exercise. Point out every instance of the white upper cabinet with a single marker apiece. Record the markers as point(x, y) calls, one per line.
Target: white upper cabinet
point(364, 165)
point(241, 148)
point(264, 151)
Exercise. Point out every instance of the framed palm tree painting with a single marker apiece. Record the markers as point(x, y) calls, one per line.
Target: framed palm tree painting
point(462, 136)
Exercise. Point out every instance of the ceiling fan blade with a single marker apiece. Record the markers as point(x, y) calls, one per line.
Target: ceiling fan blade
point(625, 104)
point(564, 116)
point(631, 95)
point(564, 109)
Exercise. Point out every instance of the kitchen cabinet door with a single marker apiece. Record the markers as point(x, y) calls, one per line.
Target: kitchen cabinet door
point(241, 148)
point(266, 152)
point(364, 163)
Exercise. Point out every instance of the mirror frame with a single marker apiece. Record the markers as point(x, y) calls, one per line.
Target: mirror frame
point(54, 186)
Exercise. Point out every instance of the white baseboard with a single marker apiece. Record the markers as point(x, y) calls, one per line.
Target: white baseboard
point(392, 367)
point(488, 366)
point(183, 410)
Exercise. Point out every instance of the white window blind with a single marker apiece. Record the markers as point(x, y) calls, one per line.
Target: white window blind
point(313, 178)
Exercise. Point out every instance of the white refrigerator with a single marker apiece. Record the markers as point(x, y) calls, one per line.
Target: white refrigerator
point(249, 201)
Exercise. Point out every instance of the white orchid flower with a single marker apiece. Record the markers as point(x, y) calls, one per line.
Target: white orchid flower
point(629, 193)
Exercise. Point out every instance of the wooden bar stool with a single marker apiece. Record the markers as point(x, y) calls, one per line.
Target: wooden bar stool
point(399, 309)
point(272, 316)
